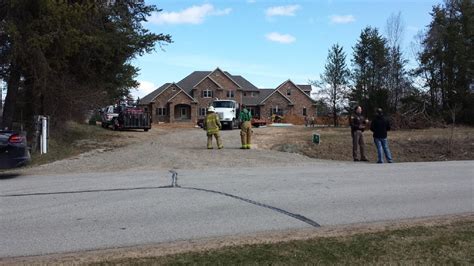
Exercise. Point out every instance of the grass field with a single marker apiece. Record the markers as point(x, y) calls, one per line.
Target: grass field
point(436, 144)
point(450, 244)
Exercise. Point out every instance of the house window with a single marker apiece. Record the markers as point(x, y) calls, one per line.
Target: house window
point(276, 111)
point(252, 94)
point(288, 92)
point(245, 94)
point(202, 111)
point(304, 111)
point(207, 93)
point(230, 94)
point(161, 111)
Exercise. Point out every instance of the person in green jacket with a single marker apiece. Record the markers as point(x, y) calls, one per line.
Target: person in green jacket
point(212, 125)
point(245, 128)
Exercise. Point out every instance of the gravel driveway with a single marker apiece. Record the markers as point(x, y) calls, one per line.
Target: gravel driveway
point(167, 148)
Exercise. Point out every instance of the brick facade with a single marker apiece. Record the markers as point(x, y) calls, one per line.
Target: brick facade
point(299, 98)
point(168, 99)
point(188, 99)
point(229, 86)
point(205, 100)
point(276, 100)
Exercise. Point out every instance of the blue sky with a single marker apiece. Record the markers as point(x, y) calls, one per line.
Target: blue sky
point(267, 42)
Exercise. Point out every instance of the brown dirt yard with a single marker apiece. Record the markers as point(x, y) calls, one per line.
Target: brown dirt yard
point(406, 145)
point(184, 147)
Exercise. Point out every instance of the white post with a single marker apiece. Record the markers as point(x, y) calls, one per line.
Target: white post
point(44, 135)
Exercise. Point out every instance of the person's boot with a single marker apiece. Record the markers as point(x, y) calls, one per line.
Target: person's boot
point(242, 140)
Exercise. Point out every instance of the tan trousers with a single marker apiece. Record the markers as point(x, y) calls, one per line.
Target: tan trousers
point(358, 143)
point(246, 134)
point(218, 140)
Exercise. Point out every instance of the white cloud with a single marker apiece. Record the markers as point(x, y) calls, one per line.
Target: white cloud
point(281, 38)
point(190, 15)
point(338, 19)
point(143, 89)
point(282, 10)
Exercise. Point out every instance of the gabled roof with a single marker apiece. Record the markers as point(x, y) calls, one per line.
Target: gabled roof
point(195, 77)
point(183, 91)
point(305, 87)
point(289, 80)
point(245, 84)
point(152, 95)
point(192, 79)
point(276, 91)
point(256, 100)
point(229, 76)
point(208, 77)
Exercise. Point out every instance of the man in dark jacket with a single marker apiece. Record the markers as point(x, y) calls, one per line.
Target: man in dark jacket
point(358, 123)
point(380, 126)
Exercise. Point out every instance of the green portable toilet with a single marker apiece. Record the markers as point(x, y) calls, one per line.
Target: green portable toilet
point(316, 138)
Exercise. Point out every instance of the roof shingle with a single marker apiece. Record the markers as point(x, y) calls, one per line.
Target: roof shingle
point(152, 95)
point(192, 79)
point(254, 101)
point(305, 87)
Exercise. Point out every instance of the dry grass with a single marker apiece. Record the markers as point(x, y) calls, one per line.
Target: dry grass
point(76, 138)
point(405, 145)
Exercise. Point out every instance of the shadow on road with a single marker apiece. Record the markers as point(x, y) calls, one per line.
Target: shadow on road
point(4, 176)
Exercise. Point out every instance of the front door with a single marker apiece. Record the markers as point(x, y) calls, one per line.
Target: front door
point(183, 112)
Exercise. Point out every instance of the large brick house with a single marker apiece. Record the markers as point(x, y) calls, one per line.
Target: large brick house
point(188, 99)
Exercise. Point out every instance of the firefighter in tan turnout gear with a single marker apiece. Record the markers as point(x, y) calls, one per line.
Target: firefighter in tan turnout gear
point(246, 128)
point(212, 125)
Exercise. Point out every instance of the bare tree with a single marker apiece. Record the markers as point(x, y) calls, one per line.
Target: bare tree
point(396, 80)
point(394, 29)
point(333, 82)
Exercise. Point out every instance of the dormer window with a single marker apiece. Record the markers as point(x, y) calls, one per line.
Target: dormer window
point(288, 92)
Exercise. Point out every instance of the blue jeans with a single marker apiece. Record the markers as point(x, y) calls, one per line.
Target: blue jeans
point(382, 147)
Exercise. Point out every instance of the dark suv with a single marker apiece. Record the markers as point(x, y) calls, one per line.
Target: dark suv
point(14, 151)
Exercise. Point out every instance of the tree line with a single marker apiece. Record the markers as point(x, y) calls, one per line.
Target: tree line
point(65, 57)
point(439, 90)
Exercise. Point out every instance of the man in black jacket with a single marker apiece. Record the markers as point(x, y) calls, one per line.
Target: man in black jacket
point(380, 126)
point(358, 123)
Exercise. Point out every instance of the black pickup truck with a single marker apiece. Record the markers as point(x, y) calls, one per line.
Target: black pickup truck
point(14, 151)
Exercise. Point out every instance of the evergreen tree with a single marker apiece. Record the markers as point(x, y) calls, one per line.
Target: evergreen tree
point(62, 58)
point(369, 73)
point(447, 60)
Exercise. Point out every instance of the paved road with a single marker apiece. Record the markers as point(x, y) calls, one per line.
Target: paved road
point(72, 212)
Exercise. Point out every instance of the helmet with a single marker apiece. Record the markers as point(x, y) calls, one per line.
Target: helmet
point(211, 109)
